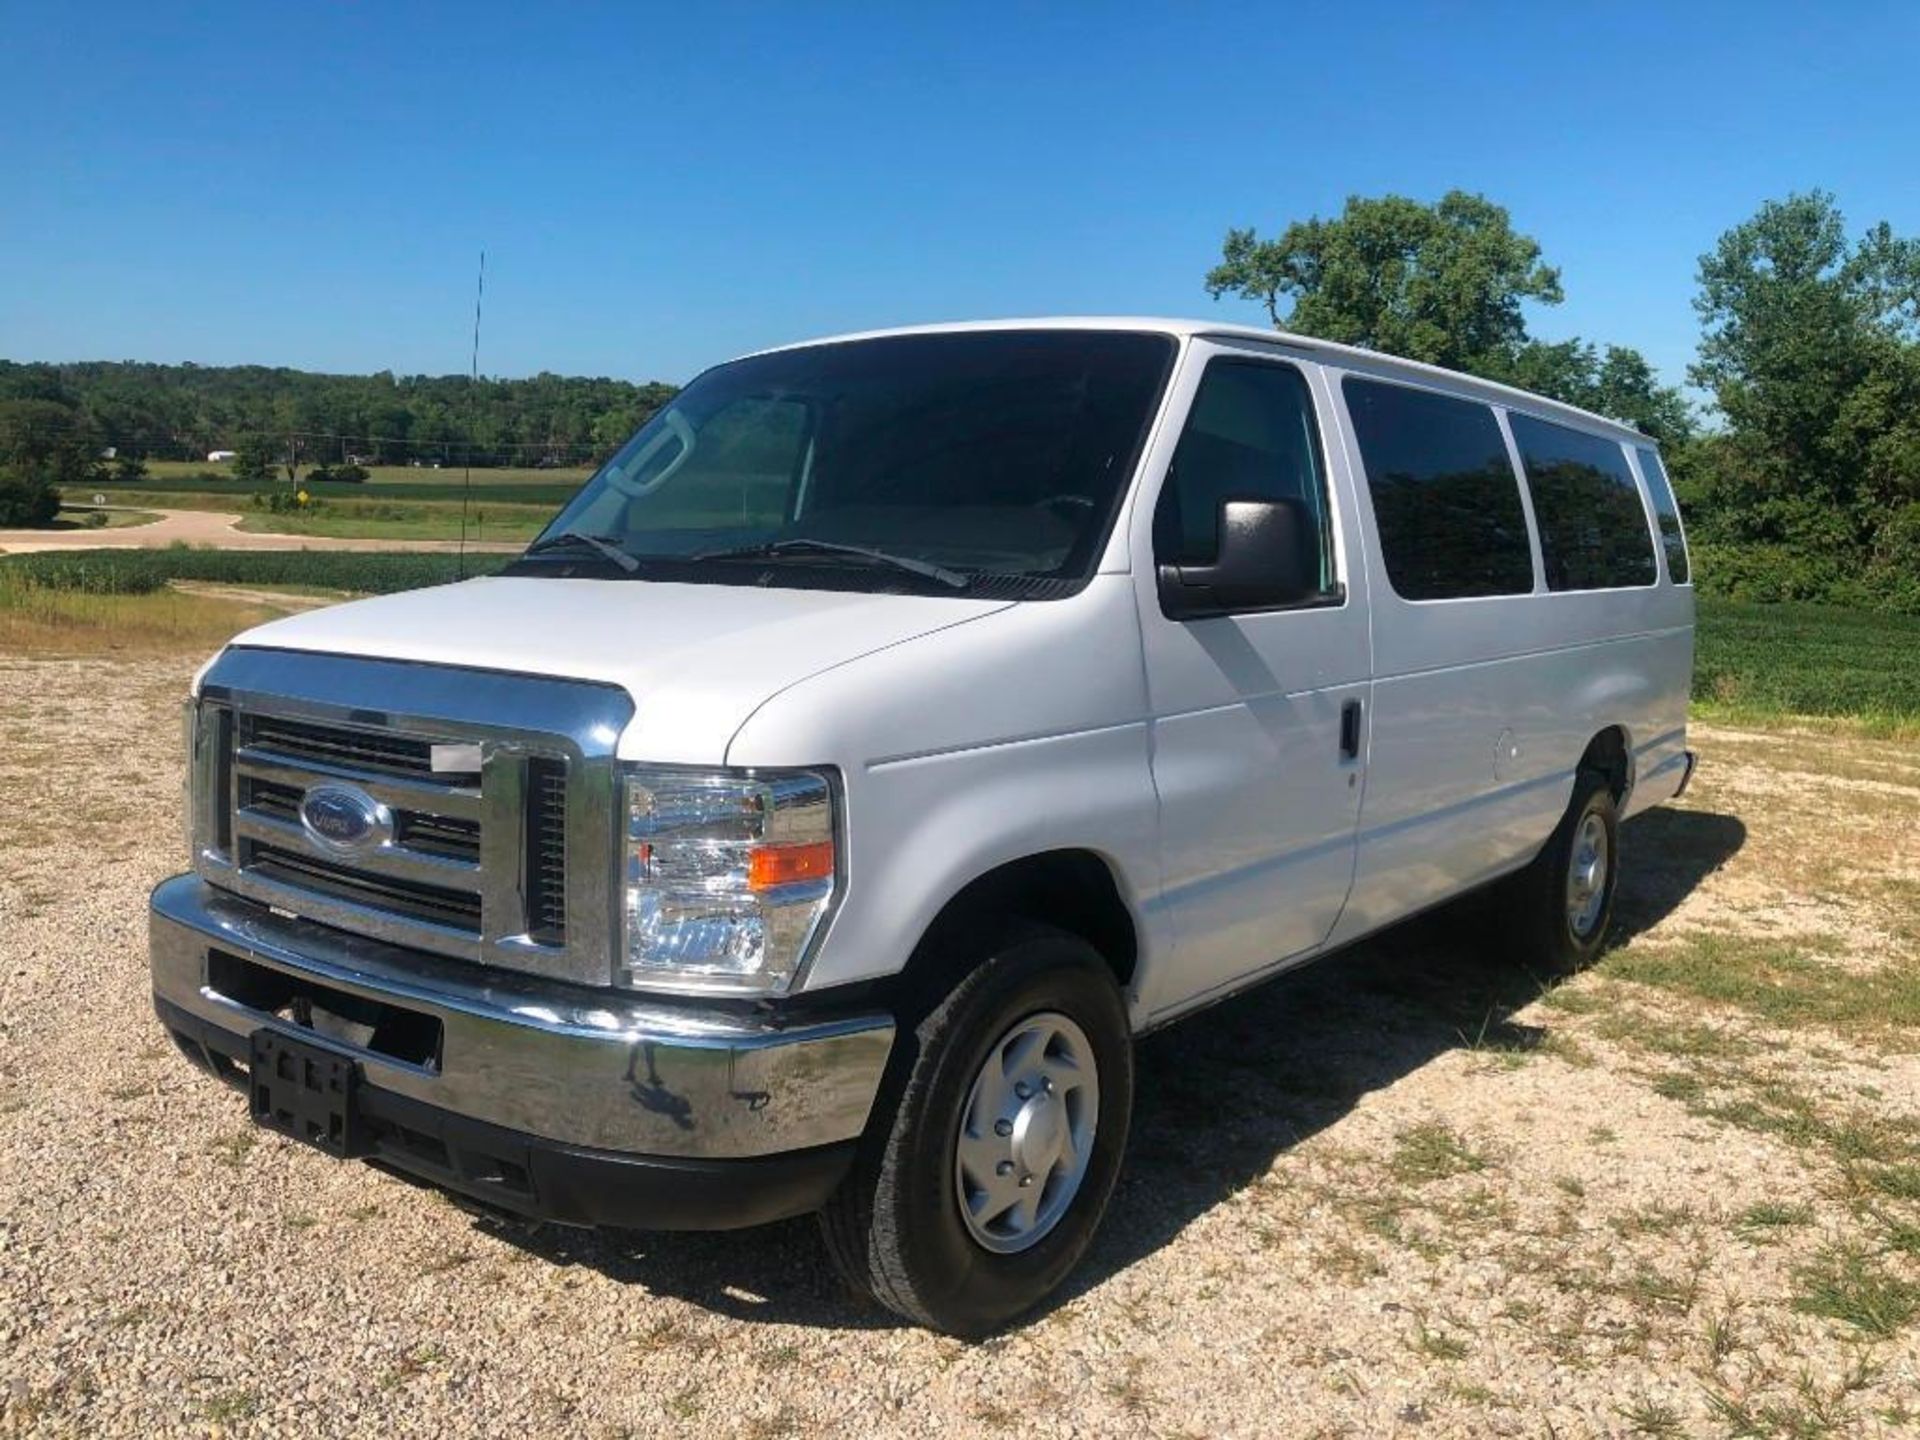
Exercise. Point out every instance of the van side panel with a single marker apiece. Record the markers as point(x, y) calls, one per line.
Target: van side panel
point(1482, 708)
point(1473, 758)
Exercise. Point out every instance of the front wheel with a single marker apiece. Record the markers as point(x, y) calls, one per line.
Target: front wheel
point(980, 1192)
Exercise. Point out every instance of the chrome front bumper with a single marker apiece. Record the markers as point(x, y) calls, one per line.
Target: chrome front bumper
point(556, 1063)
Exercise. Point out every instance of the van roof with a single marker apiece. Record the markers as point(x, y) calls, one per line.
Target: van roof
point(1190, 329)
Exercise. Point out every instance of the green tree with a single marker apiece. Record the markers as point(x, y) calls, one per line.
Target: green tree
point(44, 444)
point(1445, 283)
point(254, 458)
point(1616, 382)
point(1811, 351)
point(1441, 283)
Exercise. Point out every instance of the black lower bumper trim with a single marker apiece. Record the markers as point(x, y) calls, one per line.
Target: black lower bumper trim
point(546, 1179)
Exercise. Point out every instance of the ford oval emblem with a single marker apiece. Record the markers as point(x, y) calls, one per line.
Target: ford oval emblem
point(345, 819)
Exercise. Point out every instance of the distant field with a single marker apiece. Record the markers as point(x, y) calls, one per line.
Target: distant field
point(1758, 661)
point(562, 483)
point(391, 512)
point(236, 493)
point(141, 572)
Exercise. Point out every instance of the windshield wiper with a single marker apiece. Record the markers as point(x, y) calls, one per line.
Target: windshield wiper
point(603, 543)
point(800, 545)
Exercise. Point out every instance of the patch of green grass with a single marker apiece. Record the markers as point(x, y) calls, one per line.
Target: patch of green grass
point(232, 1150)
point(1846, 1282)
point(1649, 1418)
point(1570, 999)
point(1900, 1182)
point(1432, 1151)
point(231, 1406)
point(1655, 1219)
point(412, 520)
point(411, 1365)
point(86, 517)
point(1438, 1344)
point(1648, 1287)
point(1781, 983)
point(1688, 1042)
point(1773, 1215)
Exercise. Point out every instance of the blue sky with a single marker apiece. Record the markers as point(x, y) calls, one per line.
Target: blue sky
point(658, 188)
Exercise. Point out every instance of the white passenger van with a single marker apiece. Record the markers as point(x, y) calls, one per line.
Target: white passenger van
point(892, 730)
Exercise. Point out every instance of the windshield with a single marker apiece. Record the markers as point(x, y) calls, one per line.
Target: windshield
point(999, 453)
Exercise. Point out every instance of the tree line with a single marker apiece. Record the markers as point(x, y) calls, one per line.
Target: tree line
point(57, 421)
point(1800, 476)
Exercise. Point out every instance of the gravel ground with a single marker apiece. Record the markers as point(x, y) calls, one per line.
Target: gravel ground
point(1401, 1194)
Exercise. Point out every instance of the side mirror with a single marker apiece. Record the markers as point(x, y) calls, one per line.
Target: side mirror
point(1267, 559)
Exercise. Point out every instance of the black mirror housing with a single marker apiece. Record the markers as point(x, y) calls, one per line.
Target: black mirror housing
point(1267, 560)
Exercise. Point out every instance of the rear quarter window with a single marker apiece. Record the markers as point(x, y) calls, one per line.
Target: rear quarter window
point(1445, 498)
point(1666, 514)
point(1593, 527)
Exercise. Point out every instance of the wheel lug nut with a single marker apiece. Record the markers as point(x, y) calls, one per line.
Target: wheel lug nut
point(1005, 1167)
point(1023, 1090)
point(1026, 1180)
point(1003, 1128)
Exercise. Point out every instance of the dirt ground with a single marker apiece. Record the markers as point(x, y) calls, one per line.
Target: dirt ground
point(1412, 1191)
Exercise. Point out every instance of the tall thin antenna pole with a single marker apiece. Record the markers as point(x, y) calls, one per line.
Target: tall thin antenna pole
point(473, 413)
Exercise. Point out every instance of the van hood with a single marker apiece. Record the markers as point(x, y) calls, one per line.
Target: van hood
point(697, 659)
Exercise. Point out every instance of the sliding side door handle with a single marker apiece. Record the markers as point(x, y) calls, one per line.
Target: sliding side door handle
point(1350, 730)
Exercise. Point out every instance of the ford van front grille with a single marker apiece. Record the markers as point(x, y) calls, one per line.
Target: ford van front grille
point(308, 799)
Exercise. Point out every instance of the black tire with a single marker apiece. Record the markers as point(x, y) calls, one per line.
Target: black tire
point(1544, 931)
point(894, 1228)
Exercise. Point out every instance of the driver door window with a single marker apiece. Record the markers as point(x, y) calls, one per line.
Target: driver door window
point(1250, 435)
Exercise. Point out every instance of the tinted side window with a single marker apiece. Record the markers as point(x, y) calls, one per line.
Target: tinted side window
point(1666, 513)
point(1593, 528)
point(1249, 436)
point(1444, 494)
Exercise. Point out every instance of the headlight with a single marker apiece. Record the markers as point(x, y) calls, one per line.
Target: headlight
point(727, 877)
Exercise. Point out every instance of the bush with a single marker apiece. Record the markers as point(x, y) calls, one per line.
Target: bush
point(1783, 574)
point(337, 475)
point(27, 498)
point(286, 502)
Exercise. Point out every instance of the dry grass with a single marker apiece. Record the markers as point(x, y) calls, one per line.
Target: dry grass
point(39, 621)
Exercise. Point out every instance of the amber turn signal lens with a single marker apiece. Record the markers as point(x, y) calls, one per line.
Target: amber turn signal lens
point(772, 866)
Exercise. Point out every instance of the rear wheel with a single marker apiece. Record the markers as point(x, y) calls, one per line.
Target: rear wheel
point(1564, 899)
point(981, 1189)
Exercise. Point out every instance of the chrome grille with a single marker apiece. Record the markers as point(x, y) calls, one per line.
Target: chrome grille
point(547, 850)
point(499, 865)
point(337, 745)
point(434, 904)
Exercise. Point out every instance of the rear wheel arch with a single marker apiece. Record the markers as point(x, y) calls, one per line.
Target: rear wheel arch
point(1610, 754)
